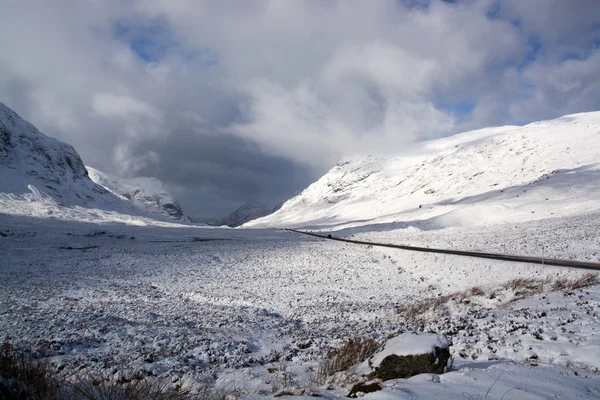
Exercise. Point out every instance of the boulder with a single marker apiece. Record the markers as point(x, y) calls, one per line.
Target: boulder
point(407, 355)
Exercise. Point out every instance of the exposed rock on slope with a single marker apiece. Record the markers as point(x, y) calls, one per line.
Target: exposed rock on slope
point(149, 194)
point(472, 178)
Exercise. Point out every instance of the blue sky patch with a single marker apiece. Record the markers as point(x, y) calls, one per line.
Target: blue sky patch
point(460, 109)
point(150, 40)
point(154, 40)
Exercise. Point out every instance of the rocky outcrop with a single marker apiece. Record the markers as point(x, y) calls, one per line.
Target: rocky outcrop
point(408, 355)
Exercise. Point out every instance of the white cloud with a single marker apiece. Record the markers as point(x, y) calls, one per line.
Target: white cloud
point(111, 105)
point(304, 81)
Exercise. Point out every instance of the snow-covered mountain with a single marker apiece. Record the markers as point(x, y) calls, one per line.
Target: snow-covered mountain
point(44, 177)
point(246, 212)
point(37, 167)
point(541, 170)
point(149, 194)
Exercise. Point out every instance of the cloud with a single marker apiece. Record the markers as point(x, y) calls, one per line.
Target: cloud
point(111, 105)
point(570, 86)
point(562, 28)
point(236, 100)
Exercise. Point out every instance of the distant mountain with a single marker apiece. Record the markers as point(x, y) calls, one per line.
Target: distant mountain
point(541, 170)
point(246, 212)
point(149, 194)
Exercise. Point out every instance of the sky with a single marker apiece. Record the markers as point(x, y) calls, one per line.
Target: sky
point(235, 101)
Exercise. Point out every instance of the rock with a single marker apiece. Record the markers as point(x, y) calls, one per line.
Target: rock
point(407, 355)
point(364, 387)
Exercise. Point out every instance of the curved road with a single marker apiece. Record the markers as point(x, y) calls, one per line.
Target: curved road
point(493, 256)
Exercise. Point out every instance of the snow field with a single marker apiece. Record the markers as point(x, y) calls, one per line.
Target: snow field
point(257, 310)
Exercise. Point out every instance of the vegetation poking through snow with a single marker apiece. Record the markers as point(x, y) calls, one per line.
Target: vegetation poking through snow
point(91, 388)
point(22, 377)
point(530, 286)
point(353, 352)
point(437, 304)
point(521, 287)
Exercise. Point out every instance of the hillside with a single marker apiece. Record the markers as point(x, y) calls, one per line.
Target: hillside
point(537, 171)
point(149, 194)
point(44, 177)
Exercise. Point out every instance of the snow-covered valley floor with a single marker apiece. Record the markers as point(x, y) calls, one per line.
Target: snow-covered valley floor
point(254, 311)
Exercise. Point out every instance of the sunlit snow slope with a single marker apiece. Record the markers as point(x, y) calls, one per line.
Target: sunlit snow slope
point(43, 177)
point(146, 193)
point(541, 170)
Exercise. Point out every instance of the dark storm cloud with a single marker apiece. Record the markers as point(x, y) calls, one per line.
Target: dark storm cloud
point(223, 169)
point(231, 101)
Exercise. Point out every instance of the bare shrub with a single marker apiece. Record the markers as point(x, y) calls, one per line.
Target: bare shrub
point(354, 351)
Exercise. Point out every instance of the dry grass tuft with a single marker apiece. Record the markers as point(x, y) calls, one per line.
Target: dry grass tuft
point(353, 352)
point(531, 286)
point(586, 280)
point(527, 285)
point(438, 304)
point(97, 389)
point(24, 378)
point(477, 291)
point(521, 287)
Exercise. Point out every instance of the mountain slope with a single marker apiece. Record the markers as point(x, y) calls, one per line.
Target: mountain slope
point(246, 212)
point(44, 177)
point(491, 175)
point(31, 160)
point(149, 194)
